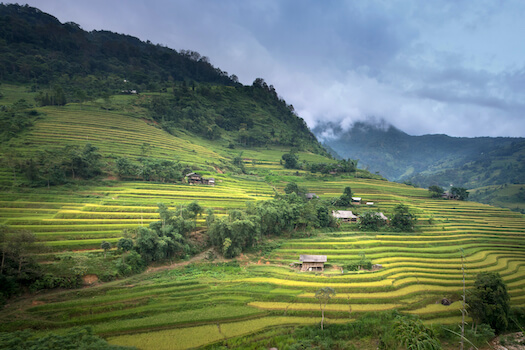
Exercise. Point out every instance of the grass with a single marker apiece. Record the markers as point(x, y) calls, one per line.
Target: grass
point(199, 304)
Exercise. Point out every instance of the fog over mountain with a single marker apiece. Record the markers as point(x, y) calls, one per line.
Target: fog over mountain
point(383, 148)
point(439, 67)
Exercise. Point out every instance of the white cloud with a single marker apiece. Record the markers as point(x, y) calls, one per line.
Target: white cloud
point(426, 67)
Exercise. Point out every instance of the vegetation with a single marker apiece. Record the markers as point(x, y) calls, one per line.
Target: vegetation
point(324, 295)
point(489, 301)
point(403, 219)
point(109, 201)
point(436, 191)
point(76, 338)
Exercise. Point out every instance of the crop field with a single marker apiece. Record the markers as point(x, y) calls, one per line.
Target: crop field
point(88, 216)
point(223, 300)
point(205, 301)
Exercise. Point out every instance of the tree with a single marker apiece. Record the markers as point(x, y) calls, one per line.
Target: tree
point(290, 160)
point(239, 162)
point(106, 246)
point(125, 244)
point(324, 295)
point(489, 301)
point(403, 219)
point(414, 335)
point(371, 222)
point(125, 168)
point(436, 191)
point(291, 187)
point(346, 198)
point(459, 193)
point(195, 209)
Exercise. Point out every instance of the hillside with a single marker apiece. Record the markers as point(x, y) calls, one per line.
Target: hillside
point(398, 156)
point(63, 63)
point(100, 227)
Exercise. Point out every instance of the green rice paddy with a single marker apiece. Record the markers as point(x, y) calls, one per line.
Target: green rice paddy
point(205, 302)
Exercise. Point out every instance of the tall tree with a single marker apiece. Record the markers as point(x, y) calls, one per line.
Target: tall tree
point(489, 301)
point(106, 246)
point(403, 219)
point(324, 295)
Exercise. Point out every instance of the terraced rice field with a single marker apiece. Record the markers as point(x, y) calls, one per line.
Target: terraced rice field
point(85, 218)
point(224, 300)
point(197, 304)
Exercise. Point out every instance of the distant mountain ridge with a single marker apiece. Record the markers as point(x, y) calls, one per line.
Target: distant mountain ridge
point(400, 157)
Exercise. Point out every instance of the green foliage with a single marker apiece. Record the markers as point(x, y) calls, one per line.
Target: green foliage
point(292, 187)
point(403, 220)
point(234, 233)
point(53, 167)
point(340, 166)
point(290, 160)
point(481, 335)
point(15, 119)
point(371, 221)
point(131, 263)
point(245, 229)
point(459, 193)
point(355, 265)
point(346, 198)
point(436, 191)
point(239, 162)
point(414, 335)
point(125, 244)
point(56, 97)
point(18, 268)
point(167, 238)
point(489, 301)
point(76, 338)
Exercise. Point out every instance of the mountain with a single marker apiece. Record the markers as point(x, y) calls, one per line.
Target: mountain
point(63, 63)
point(399, 157)
point(92, 192)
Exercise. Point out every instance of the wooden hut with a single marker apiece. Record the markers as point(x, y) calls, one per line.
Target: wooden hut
point(312, 262)
point(344, 215)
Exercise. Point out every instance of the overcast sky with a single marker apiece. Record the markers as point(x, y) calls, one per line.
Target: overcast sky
point(455, 67)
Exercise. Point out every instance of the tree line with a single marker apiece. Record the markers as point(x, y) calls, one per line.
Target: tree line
point(51, 167)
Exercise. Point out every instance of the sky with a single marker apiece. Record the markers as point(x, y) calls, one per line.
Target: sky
point(427, 67)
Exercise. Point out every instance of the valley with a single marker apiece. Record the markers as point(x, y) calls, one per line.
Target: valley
point(101, 226)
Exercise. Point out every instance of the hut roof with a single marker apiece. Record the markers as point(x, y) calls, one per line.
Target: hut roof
point(312, 258)
point(343, 214)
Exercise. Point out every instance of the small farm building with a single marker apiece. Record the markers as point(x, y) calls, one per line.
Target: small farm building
point(312, 262)
point(356, 200)
point(344, 215)
point(311, 196)
point(381, 215)
point(195, 179)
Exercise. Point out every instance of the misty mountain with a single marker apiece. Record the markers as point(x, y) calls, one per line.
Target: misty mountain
point(383, 148)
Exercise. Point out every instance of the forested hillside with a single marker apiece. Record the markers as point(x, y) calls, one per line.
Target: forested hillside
point(398, 156)
point(171, 210)
point(63, 63)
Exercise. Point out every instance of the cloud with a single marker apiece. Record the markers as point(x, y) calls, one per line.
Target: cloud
point(425, 67)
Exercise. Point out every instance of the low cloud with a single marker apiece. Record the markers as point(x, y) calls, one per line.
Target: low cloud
point(425, 67)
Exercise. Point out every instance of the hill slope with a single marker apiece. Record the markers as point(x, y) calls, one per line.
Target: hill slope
point(192, 305)
point(398, 156)
point(63, 63)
